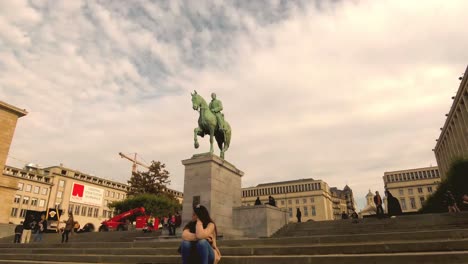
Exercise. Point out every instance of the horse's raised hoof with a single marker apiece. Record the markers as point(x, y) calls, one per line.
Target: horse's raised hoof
point(196, 145)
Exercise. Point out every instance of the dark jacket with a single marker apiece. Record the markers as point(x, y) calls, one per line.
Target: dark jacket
point(376, 200)
point(28, 223)
point(19, 229)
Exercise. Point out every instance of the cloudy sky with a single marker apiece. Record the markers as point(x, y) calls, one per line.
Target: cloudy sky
point(334, 90)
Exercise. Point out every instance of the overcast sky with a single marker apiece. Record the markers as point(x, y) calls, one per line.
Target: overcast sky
point(334, 90)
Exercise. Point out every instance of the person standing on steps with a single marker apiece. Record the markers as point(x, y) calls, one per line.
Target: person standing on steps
point(18, 232)
point(28, 224)
point(378, 204)
point(69, 224)
point(298, 215)
point(41, 227)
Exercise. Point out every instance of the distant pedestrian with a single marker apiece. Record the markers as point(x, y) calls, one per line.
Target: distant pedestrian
point(355, 217)
point(298, 215)
point(451, 203)
point(344, 215)
point(258, 202)
point(18, 232)
point(28, 225)
point(69, 224)
point(178, 221)
point(40, 228)
point(378, 204)
point(271, 201)
point(172, 220)
point(393, 205)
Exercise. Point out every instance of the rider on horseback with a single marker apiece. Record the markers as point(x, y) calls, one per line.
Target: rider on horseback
point(216, 107)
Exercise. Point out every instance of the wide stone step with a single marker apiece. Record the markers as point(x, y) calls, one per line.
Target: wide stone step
point(304, 240)
point(431, 257)
point(319, 249)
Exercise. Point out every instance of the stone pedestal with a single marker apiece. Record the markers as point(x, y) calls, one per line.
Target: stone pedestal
point(215, 184)
point(259, 221)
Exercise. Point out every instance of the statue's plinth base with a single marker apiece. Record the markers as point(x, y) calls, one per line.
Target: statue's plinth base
point(215, 184)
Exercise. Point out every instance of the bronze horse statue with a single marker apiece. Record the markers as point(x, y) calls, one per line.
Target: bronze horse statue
point(208, 125)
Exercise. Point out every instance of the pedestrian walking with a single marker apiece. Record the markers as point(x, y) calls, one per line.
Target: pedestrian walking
point(69, 224)
point(378, 205)
point(40, 228)
point(18, 232)
point(298, 215)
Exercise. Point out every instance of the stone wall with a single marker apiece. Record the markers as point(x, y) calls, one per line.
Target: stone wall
point(260, 220)
point(8, 116)
point(7, 230)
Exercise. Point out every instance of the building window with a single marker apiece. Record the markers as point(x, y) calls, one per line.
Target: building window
point(403, 203)
point(64, 172)
point(421, 199)
point(59, 194)
point(61, 183)
point(306, 211)
point(313, 211)
point(429, 189)
point(290, 212)
point(410, 191)
point(17, 199)
point(109, 214)
point(312, 199)
point(71, 208)
point(25, 200)
point(20, 186)
point(420, 190)
point(34, 202)
point(413, 203)
point(297, 201)
point(282, 202)
point(96, 212)
point(14, 212)
point(36, 189)
point(113, 194)
point(28, 188)
point(41, 203)
point(104, 213)
point(22, 213)
point(83, 211)
point(304, 200)
point(107, 193)
point(77, 210)
point(90, 211)
point(400, 191)
point(289, 202)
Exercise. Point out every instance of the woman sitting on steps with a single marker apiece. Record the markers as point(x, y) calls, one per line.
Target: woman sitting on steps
point(199, 239)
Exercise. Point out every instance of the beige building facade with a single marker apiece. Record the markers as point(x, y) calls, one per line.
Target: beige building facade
point(412, 187)
point(85, 195)
point(453, 140)
point(8, 118)
point(313, 198)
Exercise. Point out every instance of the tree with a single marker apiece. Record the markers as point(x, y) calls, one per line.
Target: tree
point(153, 181)
point(456, 181)
point(154, 204)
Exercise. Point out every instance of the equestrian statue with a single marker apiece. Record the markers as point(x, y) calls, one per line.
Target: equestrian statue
point(211, 122)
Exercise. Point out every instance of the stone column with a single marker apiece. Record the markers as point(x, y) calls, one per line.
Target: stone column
point(215, 184)
point(8, 185)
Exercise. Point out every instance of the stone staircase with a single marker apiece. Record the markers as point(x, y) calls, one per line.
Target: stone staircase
point(407, 239)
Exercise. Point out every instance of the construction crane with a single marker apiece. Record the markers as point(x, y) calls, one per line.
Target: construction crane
point(134, 160)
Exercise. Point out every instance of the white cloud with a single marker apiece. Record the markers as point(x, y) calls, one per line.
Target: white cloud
point(342, 92)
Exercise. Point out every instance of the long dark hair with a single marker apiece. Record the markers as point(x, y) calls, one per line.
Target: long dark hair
point(204, 216)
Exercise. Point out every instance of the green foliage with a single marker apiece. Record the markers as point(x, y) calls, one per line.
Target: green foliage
point(456, 181)
point(158, 205)
point(153, 181)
